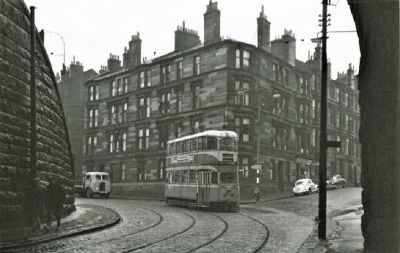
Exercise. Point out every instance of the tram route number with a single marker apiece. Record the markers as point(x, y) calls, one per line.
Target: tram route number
point(182, 159)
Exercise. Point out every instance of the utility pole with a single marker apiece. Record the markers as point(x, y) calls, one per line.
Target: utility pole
point(33, 156)
point(258, 167)
point(323, 135)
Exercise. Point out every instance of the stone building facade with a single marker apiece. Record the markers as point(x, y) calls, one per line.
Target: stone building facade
point(72, 93)
point(53, 148)
point(261, 92)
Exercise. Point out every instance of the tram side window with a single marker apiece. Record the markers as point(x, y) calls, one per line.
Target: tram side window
point(178, 177)
point(192, 177)
point(178, 147)
point(171, 177)
point(186, 146)
point(193, 144)
point(203, 143)
point(214, 177)
point(172, 149)
point(212, 142)
point(185, 177)
point(227, 177)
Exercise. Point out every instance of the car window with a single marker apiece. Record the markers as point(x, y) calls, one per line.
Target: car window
point(299, 182)
point(98, 177)
point(105, 177)
point(87, 177)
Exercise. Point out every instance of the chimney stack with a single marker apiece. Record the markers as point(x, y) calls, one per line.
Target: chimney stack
point(113, 63)
point(212, 23)
point(103, 70)
point(285, 47)
point(263, 31)
point(133, 55)
point(185, 38)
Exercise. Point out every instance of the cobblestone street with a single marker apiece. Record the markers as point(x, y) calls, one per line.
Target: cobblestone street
point(151, 226)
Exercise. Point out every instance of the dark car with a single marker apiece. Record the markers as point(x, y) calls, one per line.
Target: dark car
point(336, 181)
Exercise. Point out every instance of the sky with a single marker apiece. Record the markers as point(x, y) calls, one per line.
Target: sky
point(92, 29)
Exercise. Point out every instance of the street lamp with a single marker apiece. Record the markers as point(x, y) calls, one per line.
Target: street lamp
point(33, 137)
point(63, 41)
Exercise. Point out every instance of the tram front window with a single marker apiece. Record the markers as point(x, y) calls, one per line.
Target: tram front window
point(227, 143)
point(211, 142)
point(227, 177)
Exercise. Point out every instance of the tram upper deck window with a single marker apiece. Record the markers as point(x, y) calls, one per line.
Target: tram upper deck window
point(212, 142)
point(171, 149)
point(227, 177)
point(202, 142)
point(186, 146)
point(227, 143)
point(193, 144)
point(178, 147)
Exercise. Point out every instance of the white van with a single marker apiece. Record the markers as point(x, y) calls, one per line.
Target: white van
point(97, 183)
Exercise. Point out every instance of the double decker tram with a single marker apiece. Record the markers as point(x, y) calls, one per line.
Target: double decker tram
point(202, 171)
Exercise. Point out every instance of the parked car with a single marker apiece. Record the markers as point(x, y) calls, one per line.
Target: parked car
point(304, 186)
point(96, 183)
point(336, 181)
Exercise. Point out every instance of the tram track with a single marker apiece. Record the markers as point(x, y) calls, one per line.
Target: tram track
point(193, 223)
point(158, 222)
point(258, 249)
point(226, 225)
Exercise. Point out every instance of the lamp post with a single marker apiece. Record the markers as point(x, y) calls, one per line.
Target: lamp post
point(63, 41)
point(33, 155)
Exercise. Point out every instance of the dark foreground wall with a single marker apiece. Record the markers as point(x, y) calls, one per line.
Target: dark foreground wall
point(377, 23)
point(54, 154)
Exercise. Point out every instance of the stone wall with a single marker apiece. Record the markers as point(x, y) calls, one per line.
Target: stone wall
point(377, 24)
point(53, 148)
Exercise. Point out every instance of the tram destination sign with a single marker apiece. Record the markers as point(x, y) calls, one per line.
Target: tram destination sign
point(182, 159)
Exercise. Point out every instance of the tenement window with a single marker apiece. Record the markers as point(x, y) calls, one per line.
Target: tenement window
point(117, 141)
point(165, 71)
point(242, 128)
point(118, 112)
point(241, 93)
point(144, 107)
point(242, 58)
point(164, 99)
point(143, 138)
point(196, 65)
point(163, 136)
point(119, 86)
point(93, 92)
point(145, 78)
point(91, 143)
point(196, 98)
point(179, 70)
point(93, 117)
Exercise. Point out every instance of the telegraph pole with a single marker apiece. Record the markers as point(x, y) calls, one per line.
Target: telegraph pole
point(33, 157)
point(323, 135)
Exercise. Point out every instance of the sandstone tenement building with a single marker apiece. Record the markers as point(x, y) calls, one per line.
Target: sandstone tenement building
point(261, 92)
point(73, 98)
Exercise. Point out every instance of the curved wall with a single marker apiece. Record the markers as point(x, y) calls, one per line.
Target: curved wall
point(53, 148)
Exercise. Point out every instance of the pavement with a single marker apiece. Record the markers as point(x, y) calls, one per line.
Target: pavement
point(86, 219)
point(343, 233)
point(343, 228)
